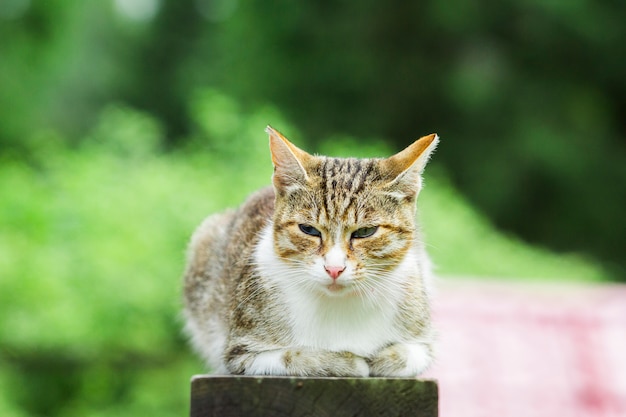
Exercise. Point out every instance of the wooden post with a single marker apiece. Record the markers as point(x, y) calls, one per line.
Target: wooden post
point(239, 396)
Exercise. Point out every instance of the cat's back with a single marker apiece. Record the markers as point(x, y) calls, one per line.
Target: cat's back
point(223, 238)
point(221, 246)
point(247, 223)
point(219, 252)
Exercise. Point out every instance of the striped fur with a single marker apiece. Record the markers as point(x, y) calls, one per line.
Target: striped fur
point(323, 274)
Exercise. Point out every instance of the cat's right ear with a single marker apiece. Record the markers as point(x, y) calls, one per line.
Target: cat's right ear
point(289, 161)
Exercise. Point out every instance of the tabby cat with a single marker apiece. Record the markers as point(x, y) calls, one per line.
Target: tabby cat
point(323, 274)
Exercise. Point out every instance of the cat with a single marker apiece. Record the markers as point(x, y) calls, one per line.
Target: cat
point(323, 274)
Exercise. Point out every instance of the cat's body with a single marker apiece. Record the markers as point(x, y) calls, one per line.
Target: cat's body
point(322, 275)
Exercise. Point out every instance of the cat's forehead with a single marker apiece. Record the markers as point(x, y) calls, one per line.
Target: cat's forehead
point(339, 192)
point(349, 174)
point(343, 189)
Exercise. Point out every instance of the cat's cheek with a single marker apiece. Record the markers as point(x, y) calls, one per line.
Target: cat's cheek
point(387, 249)
point(377, 245)
point(293, 245)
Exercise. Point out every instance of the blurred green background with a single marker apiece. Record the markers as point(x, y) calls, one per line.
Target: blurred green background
point(124, 122)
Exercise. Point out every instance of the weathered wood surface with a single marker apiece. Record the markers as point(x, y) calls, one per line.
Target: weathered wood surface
point(227, 396)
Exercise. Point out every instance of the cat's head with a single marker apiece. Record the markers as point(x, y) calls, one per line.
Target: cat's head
point(340, 223)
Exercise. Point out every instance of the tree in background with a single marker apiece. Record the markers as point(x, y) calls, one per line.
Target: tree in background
point(529, 97)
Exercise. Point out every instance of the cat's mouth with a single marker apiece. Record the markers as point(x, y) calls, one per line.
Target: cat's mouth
point(334, 287)
point(340, 290)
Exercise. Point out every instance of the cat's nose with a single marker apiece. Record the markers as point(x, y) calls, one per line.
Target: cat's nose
point(334, 271)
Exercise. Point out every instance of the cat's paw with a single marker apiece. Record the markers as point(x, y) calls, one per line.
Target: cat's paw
point(349, 364)
point(325, 363)
point(401, 360)
point(307, 362)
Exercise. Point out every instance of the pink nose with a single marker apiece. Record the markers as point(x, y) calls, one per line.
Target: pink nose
point(334, 271)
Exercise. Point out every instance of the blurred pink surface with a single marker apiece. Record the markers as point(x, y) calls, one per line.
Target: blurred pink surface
point(531, 350)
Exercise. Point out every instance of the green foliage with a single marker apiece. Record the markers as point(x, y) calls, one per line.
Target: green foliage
point(92, 242)
point(94, 215)
point(462, 242)
point(528, 95)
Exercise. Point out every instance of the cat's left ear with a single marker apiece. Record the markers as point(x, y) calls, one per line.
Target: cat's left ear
point(405, 168)
point(290, 162)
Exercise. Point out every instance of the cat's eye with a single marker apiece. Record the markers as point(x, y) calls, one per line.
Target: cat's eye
point(309, 230)
point(364, 232)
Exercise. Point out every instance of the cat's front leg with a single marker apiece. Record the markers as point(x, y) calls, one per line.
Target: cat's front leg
point(401, 360)
point(298, 362)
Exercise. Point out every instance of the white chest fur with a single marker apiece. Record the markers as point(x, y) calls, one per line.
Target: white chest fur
point(348, 323)
point(340, 324)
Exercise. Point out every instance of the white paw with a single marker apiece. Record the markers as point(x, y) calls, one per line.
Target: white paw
point(401, 360)
point(418, 359)
point(361, 367)
point(267, 363)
